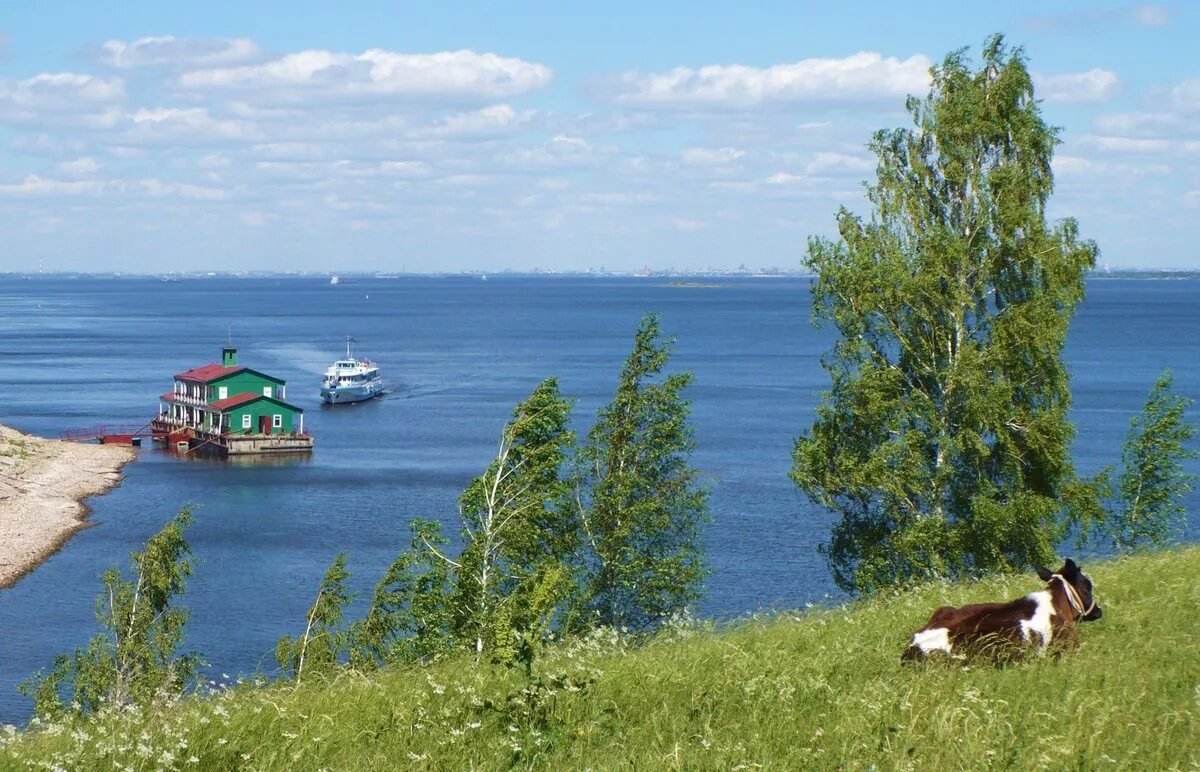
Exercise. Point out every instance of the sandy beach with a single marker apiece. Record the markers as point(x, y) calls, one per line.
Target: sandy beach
point(42, 487)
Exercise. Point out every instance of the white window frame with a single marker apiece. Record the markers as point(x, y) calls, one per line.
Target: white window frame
point(277, 421)
point(266, 391)
point(247, 421)
point(222, 392)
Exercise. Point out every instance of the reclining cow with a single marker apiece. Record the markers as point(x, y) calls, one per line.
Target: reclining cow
point(1003, 629)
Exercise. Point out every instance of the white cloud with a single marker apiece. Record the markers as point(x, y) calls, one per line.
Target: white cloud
point(824, 163)
point(406, 168)
point(184, 125)
point(1153, 14)
point(783, 178)
point(288, 151)
point(862, 76)
point(737, 187)
point(488, 122)
point(79, 167)
point(1186, 96)
point(620, 199)
point(1117, 173)
point(553, 183)
point(378, 73)
point(214, 161)
point(1144, 14)
point(1094, 85)
point(711, 156)
point(561, 150)
point(1071, 165)
point(1126, 144)
point(170, 51)
point(689, 225)
point(159, 189)
point(59, 92)
point(1140, 124)
point(34, 186)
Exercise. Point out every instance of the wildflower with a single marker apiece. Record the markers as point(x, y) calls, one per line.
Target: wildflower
point(193, 760)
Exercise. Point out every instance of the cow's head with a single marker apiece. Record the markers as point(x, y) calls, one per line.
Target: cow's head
point(1078, 584)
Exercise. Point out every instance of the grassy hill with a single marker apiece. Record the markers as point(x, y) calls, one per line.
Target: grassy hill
point(811, 691)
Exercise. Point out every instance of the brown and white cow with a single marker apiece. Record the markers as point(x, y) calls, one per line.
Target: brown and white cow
point(1003, 628)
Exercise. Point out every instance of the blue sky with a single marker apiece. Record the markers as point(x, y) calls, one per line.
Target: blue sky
point(479, 136)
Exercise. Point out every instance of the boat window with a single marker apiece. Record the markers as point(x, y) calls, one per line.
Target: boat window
point(245, 420)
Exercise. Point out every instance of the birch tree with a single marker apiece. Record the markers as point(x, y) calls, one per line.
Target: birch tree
point(518, 531)
point(1153, 481)
point(639, 497)
point(324, 641)
point(409, 619)
point(942, 444)
point(136, 658)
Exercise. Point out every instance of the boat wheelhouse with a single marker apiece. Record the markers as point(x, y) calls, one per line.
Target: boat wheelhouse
point(229, 409)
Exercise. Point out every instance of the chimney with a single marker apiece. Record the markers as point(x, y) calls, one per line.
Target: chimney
point(228, 356)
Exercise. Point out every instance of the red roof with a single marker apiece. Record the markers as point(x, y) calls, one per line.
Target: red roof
point(209, 372)
point(235, 400)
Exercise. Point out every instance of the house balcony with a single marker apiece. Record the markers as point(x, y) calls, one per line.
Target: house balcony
point(184, 399)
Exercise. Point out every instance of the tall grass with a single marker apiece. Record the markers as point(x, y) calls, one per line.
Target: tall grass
point(821, 690)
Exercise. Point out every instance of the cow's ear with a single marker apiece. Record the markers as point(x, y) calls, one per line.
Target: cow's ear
point(1044, 573)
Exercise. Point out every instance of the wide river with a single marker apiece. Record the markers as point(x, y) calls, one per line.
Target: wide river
point(457, 353)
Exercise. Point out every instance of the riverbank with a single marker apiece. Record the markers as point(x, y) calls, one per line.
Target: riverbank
point(814, 690)
point(42, 487)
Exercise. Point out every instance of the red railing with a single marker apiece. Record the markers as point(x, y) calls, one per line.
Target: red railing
point(105, 430)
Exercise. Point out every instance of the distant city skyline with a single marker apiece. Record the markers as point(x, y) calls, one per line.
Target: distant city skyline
point(477, 137)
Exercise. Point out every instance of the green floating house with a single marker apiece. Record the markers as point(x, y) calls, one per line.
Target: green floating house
point(228, 409)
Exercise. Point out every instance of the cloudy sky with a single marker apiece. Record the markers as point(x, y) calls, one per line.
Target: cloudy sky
point(477, 136)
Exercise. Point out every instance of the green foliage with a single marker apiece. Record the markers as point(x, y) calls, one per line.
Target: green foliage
point(942, 443)
point(820, 690)
point(639, 498)
point(134, 660)
point(519, 533)
point(324, 641)
point(409, 618)
point(518, 529)
point(1153, 482)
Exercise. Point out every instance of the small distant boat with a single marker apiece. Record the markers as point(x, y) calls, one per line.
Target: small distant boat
point(351, 380)
point(335, 280)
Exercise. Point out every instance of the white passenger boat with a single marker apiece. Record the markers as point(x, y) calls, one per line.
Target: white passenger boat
point(351, 379)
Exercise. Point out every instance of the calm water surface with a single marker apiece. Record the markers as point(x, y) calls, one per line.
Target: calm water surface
point(459, 353)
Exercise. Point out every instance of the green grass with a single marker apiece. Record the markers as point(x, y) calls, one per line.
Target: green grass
point(821, 690)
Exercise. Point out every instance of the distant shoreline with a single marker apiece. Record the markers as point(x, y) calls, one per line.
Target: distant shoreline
point(668, 274)
point(43, 484)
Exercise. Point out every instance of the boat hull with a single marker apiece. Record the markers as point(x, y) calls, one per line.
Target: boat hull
point(346, 394)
